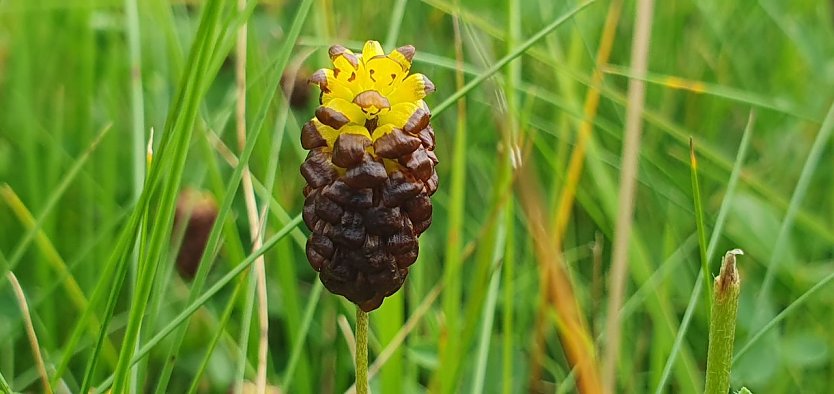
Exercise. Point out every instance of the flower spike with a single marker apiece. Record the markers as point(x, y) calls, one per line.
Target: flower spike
point(370, 172)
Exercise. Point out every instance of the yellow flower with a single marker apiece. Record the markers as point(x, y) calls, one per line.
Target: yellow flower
point(370, 93)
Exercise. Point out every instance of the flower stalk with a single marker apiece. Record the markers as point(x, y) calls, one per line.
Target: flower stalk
point(722, 328)
point(361, 357)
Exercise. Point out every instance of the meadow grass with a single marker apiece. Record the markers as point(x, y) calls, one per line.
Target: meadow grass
point(548, 185)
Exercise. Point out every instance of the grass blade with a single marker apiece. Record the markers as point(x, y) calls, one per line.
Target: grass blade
point(506, 59)
point(717, 231)
point(177, 321)
point(801, 189)
point(54, 197)
point(699, 223)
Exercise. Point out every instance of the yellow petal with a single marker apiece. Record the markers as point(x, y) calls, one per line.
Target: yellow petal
point(381, 131)
point(345, 63)
point(328, 133)
point(413, 88)
point(398, 115)
point(403, 55)
point(354, 129)
point(350, 110)
point(384, 73)
point(345, 56)
point(331, 87)
point(371, 50)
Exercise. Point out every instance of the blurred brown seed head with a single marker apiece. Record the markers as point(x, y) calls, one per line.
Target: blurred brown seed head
point(195, 215)
point(295, 87)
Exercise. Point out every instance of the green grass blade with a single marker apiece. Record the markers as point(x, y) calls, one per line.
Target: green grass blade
point(506, 59)
point(729, 93)
point(723, 211)
point(799, 301)
point(450, 347)
point(192, 307)
point(298, 345)
point(160, 230)
point(224, 319)
point(234, 181)
point(699, 223)
point(54, 197)
point(4, 385)
point(396, 20)
point(488, 318)
point(779, 248)
point(387, 322)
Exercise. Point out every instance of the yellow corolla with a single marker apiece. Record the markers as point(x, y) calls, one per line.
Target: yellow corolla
point(370, 93)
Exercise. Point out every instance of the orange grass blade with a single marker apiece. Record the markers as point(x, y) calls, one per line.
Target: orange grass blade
point(558, 293)
point(575, 166)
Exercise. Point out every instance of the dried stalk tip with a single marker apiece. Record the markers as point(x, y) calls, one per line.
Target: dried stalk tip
point(728, 276)
point(194, 217)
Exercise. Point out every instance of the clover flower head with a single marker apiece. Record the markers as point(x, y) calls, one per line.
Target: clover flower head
point(370, 172)
point(370, 93)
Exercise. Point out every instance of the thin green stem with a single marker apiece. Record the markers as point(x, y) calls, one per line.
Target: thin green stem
point(309, 311)
point(396, 20)
point(722, 327)
point(509, 300)
point(506, 59)
point(361, 351)
point(211, 292)
point(221, 327)
point(55, 196)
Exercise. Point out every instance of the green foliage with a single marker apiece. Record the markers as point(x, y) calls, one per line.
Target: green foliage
point(83, 82)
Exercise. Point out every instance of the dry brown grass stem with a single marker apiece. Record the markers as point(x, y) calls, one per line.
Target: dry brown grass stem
point(564, 207)
point(30, 331)
point(628, 183)
point(251, 206)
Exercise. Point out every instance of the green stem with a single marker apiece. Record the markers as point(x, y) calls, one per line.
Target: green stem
point(722, 328)
point(4, 386)
point(361, 351)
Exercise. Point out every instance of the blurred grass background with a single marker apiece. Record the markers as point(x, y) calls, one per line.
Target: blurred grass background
point(83, 82)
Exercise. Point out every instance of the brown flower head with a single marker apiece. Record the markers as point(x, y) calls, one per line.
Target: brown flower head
point(370, 172)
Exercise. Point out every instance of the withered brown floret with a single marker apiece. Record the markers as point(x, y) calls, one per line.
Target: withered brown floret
point(395, 144)
point(349, 149)
point(331, 117)
point(417, 122)
point(398, 188)
point(317, 169)
point(419, 163)
point(311, 137)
